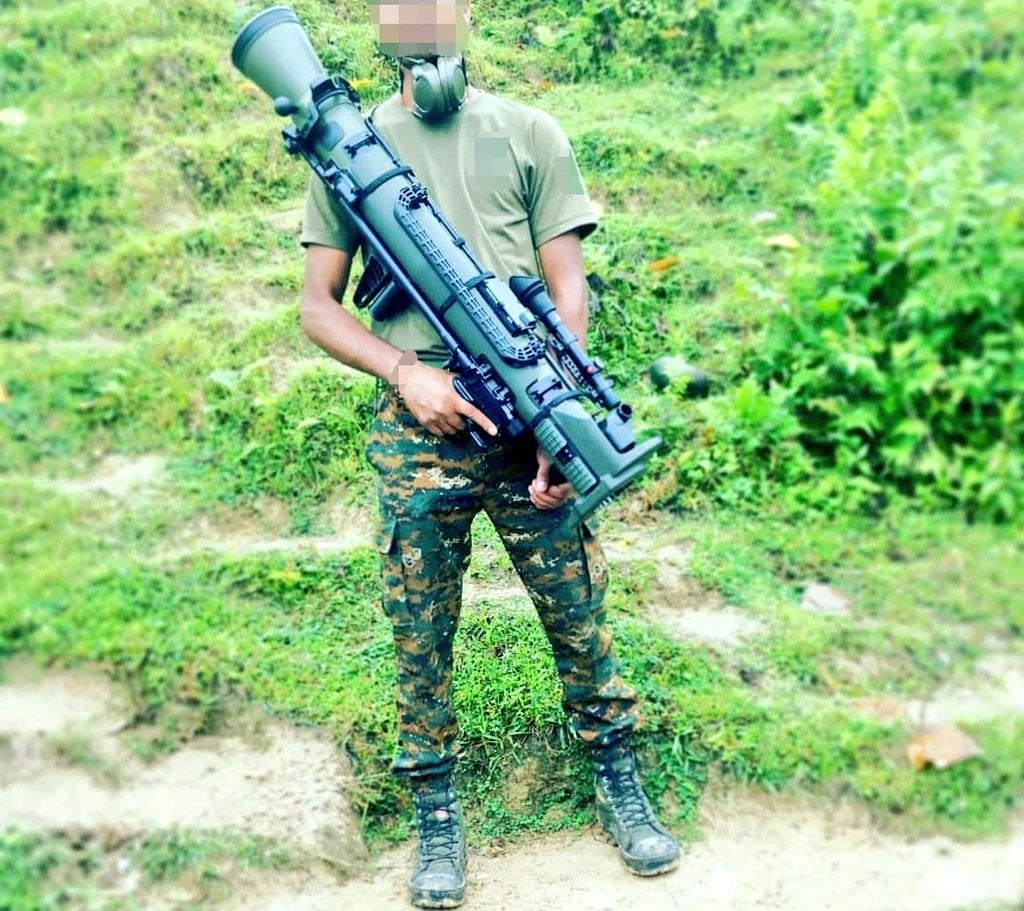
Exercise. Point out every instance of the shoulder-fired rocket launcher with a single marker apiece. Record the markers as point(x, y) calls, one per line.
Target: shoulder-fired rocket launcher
point(512, 356)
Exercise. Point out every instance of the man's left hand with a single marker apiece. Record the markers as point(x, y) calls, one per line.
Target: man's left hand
point(544, 494)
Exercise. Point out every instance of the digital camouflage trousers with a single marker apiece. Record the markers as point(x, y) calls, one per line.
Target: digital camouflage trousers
point(429, 490)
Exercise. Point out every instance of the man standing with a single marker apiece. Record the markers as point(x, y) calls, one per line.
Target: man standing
point(504, 175)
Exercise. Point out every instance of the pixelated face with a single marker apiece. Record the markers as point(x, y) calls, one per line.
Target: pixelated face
point(415, 28)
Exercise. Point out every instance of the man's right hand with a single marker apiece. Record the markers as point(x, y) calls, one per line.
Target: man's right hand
point(430, 394)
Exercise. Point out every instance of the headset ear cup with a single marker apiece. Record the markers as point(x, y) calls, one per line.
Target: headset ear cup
point(427, 91)
point(453, 82)
point(438, 88)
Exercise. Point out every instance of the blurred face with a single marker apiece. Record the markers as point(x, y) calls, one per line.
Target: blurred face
point(417, 28)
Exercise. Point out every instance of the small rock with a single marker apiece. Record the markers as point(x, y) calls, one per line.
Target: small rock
point(941, 746)
point(783, 242)
point(669, 367)
point(751, 676)
point(824, 599)
point(13, 117)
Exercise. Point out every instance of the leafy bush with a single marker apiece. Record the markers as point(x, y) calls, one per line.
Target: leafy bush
point(899, 350)
point(26, 864)
point(628, 37)
point(891, 364)
point(748, 446)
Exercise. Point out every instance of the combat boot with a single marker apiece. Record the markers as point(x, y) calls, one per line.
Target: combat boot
point(439, 880)
point(625, 814)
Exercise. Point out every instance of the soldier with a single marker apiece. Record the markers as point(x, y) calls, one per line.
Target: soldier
point(505, 176)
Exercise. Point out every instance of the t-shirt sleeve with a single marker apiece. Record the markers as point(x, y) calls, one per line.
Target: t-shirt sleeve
point(558, 200)
point(325, 223)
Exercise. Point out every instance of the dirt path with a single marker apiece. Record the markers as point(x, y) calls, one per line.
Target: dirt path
point(64, 766)
point(757, 855)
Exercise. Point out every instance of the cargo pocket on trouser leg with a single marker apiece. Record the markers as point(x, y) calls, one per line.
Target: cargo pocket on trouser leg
point(391, 576)
point(596, 567)
point(423, 629)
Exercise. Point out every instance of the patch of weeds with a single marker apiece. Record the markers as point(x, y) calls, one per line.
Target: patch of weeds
point(628, 584)
point(675, 776)
point(553, 811)
point(168, 855)
point(731, 555)
point(79, 751)
point(45, 541)
point(50, 872)
point(297, 444)
point(540, 783)
point(150, 744)
point(56, 402)
point(794, 649)
point(302, 635)
point(45, 873)
point(506, 683)
point(922, 574)
point(973, 798)
point(490, 561)
point(700, 714)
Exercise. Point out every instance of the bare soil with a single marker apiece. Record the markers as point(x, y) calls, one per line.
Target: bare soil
point(67, 766)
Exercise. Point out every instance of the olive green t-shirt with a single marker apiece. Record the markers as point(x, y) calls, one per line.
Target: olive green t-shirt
point(502, 173)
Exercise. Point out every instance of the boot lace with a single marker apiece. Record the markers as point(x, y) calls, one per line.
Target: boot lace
point(625, 793)
point(438, 830)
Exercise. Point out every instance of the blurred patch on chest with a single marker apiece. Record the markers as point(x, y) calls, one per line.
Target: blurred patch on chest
point(494, 168)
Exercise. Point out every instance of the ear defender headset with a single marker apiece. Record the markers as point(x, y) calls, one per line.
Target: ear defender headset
point(438, 85)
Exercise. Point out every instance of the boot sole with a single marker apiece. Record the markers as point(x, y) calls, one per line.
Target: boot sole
point(429, 899)
point(637, 868)
point(651, 871)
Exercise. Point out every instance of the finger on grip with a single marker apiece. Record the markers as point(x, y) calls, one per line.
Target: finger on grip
point(469, 410)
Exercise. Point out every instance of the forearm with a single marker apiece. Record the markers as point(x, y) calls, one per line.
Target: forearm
point(570, 300)
point(344, 338)
point(561, 261)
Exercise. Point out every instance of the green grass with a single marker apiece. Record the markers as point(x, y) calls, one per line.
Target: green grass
point(148, 304)
point(302, 636)
point(48, 872)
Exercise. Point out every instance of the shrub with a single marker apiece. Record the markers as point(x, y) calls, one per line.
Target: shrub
point(700, 38)
point(900, 347)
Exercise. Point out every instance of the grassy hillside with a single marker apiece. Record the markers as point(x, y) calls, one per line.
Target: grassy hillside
point(820, 204)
